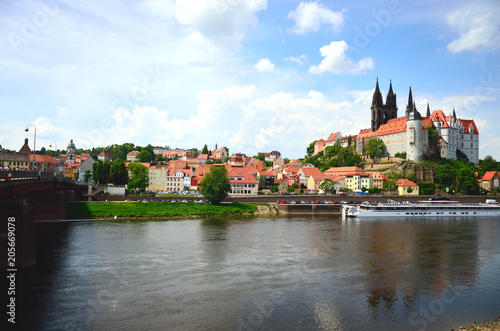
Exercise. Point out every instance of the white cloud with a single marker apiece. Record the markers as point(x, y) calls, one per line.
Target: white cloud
point(478, 30)
point(242, 119)
point(335, 61)
point(300, 60)
point(313, 16)
point(264, 65)
point(224, 22)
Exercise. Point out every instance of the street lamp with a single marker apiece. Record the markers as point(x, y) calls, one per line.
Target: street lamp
point(55, 154)
point(34, 142)
point(55, 148)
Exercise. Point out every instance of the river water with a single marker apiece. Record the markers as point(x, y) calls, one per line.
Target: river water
point(297, 273)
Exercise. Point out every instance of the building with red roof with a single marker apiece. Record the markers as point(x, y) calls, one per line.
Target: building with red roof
point(490, 181)
point(242, 182)
point(407, 187)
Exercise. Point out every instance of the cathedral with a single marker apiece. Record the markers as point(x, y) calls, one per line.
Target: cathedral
point(409, 133)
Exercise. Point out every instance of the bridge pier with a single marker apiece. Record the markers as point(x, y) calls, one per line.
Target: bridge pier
point(17, 216)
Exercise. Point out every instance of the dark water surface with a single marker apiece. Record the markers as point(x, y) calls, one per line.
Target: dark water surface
point(300, 273)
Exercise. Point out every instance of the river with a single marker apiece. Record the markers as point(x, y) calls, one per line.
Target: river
point(296, 273)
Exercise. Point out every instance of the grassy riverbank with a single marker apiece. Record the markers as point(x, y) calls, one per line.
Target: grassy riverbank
point(79, 210)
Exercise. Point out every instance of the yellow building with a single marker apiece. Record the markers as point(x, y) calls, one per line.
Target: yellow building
point(407, 187)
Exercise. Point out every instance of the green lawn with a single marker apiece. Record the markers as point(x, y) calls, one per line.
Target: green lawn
point(76, 210)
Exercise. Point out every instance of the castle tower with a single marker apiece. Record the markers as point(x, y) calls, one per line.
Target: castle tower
point(70, 153)
point(382, 113)
point(414, 131)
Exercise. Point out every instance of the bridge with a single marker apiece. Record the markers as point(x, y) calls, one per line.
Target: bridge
point(26, 197)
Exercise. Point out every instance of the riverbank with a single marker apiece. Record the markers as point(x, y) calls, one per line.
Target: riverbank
point(483, 326)
point(94, 210)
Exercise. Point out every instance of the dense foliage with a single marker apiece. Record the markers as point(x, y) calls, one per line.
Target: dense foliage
point(374, 148)
point(335, 156)
point(215, 185)
point(119, 172)
point(139, 178)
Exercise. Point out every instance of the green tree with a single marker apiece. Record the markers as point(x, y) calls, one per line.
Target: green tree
point(327, 185)
point(310, 148)
point(375, 147)
point(292, 188)
point(87, 176)
point(409, 190)
point(195, 151)
point(411, 176)
point(215, 185)
point(97, 170)
point(139, 178)
point(274, 189)
point(106, 170)
point(466, 182)
point(489, 164)
point(262, 182)
point(119, 172)
point(204, 150)
point(144, 156)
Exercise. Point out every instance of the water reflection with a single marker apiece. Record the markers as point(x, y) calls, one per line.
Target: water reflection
point(264, 274)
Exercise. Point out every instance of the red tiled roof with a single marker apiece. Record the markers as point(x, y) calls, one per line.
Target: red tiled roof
point(332, 136)
point(405, 183)
point(344, 170)
point(489, 175)
point(467, 124)
point(241, 172)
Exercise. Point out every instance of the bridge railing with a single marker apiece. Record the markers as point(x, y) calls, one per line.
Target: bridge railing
point(29, 175)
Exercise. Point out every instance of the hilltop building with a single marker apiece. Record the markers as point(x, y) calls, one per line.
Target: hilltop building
point(408, 134)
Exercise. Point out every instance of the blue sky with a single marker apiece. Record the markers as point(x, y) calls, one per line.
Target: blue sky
point(252, 75)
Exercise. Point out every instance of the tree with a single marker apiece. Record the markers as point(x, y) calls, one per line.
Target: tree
point(274, 189)
point(215, 185)
point(119, 172)
point(87, 176)
point(96, 170)
point(260, 157)
point(409, 190)
point(411, 176)
point(262, 182)
point(144, 156)
point(106, 170)
point(204, 149)
point(310, 148)
point(375, 147)
point(292, 188)
point(489, 164)
point(327, 185)
point(139, 179)
point(466, 182)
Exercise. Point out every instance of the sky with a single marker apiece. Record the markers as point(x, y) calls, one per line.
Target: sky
point(250, 75)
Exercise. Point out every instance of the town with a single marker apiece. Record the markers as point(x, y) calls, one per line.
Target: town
point(409, 155)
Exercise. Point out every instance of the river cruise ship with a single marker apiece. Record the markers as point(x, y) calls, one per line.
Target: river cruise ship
point(421, 209)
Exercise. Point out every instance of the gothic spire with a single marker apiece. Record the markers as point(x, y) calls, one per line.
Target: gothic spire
point(377, 97)
point(428, 110)
point(390, 101)
point(409, 105)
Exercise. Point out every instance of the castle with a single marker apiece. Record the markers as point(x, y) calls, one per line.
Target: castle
point(409, 133)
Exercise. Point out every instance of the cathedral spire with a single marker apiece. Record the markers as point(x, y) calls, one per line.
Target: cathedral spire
point(390, 101)
point(377, 97)
point(428, 110)
point(409, 105)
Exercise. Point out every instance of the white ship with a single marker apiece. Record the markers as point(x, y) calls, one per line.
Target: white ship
point(421, 209)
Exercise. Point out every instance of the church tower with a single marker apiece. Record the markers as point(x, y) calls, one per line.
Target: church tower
point(414, 131)
point(382, 113)
point(70, 153)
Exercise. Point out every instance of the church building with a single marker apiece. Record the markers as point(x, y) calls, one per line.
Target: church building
point(409, 133)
